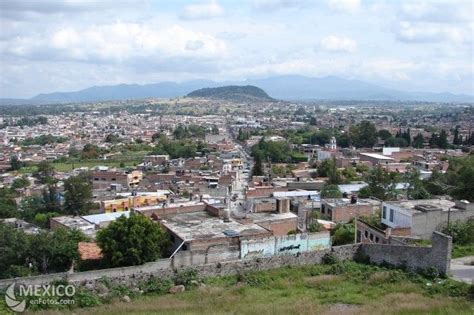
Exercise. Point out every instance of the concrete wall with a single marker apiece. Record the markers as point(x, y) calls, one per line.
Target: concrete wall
point(414, 257)
point(220, 262)
point(163, 268)
point(425, 223)
point(281, 245)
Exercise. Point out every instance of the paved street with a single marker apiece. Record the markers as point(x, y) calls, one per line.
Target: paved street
point(462, 269)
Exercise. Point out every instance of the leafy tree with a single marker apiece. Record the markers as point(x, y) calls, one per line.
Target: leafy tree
point(415, 189)
point(363, 134)
point(21, 182)
point(362, 168)
point(112, 138)
point(43, 140)
point(8, 206)
point(462, 232)
point(381, 184)
point(56, 250)
point(30, 206)
point(442, 141)
point(350, 174)
point(45, 172)
point(396, 142)
point(178, 148)
point(384, 134)
point(328, 169)
point(460, 176)
point(51, 201)
point(275, 151)
point(46, 251)
point(257, 167)
point(439, 140)
point(132, 241)
point(15, 163)
point(331, 191)
point(90, 151)
point(406, 135)
point(78, 195)
point(418, 141)
point(343, 234)
point(14, 251)
point(456, 139)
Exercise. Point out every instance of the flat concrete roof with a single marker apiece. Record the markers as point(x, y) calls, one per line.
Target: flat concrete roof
point(430, 204)
point(105, 217)
point(270, 216)
point(201, 226)
point(347, 202)
point(377, 156)
point(295, 193)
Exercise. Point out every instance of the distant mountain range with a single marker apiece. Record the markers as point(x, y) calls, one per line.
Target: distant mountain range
point(232, 92)
point(290, 87)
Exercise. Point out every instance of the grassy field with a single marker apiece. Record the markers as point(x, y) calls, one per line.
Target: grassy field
point(463, 250)
point(342, 288)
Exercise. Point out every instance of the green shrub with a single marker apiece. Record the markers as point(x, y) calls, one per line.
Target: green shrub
point(429, 273)
point(185, 277)
point(462, 232)
point(158, 286)
point(314, 227)
point(330, 259)
point(85, 298)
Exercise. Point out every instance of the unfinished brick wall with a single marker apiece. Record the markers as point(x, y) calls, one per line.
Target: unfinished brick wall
point(413, 257)
point(280, 227)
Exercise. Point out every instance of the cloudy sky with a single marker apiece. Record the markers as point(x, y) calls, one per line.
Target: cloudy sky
point(48, 45)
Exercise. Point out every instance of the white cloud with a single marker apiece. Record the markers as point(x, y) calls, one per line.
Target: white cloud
point(435, 21)
point(425, 32)
point(272, 5)
point(344, 5)
point(335, 43)
point(202, 11)
point(119, 42)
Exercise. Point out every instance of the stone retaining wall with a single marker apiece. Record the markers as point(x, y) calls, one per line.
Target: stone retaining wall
point(437, 256)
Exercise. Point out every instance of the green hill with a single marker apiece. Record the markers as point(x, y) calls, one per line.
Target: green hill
point(232, 92)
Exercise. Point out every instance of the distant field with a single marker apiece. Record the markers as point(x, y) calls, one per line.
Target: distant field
point(130, 159)
point(344, 288)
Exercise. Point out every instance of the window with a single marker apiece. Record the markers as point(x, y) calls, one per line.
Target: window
point(377, 239)
point(384, 212)
point(366, 234)
point(391, 215)
point(371, 237)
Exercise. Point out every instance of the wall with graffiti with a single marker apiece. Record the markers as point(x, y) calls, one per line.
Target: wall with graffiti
point(288, 244)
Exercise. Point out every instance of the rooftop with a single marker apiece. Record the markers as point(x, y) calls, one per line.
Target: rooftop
point(377, 156)
point(424, 205)
point(295, 193)
point(337, 202)
point(201, 225)
point(258, 217)
point(105, 217)
point(89, 251)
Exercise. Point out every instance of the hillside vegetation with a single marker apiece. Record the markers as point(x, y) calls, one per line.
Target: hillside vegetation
point(337, 288)
point(232, 92)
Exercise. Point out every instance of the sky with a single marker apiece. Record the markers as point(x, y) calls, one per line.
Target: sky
point(49, 46)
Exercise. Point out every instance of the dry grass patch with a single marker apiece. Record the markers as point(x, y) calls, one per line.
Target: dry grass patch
point(317, 280)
